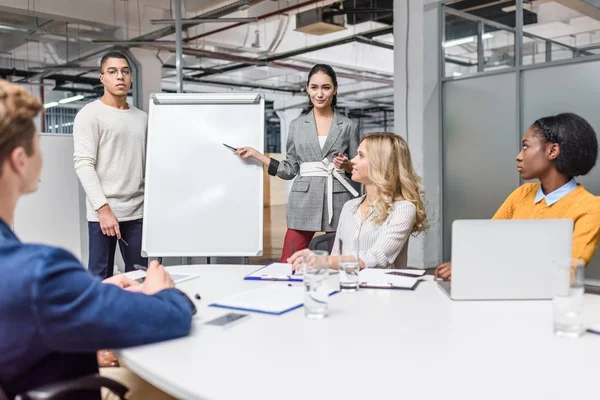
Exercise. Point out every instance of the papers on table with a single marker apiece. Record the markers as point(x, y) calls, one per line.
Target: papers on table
point(140, 276)
point(274, 272)
point(278, 272)
point(390, 278)
point(273, 299)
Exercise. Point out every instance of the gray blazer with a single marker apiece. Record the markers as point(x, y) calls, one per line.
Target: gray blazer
point(307, 203)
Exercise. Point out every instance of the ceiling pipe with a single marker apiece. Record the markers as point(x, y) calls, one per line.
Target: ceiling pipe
point(196, 21)
point(245, 85)
point(216, 13)
point(358, 77)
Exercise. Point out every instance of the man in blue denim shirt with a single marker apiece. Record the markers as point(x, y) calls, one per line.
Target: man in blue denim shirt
point(54, 315)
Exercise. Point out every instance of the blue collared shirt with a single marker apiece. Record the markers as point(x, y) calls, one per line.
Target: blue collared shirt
point(54, 316)
point(556, 195)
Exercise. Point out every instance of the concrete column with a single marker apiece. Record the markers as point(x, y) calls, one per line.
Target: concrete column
point(147, 76)
point(417, 112)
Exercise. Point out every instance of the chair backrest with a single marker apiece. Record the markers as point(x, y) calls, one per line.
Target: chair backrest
point(3, 395)
point(322, 242)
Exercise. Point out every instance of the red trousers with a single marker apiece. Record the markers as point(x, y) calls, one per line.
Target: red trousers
point(300, 240)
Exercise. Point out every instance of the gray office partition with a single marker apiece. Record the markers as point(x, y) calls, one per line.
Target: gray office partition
point(480, 143)
point(567, 88)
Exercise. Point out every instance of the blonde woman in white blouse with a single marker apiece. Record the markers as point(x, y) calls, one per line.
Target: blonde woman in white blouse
point(380, 222)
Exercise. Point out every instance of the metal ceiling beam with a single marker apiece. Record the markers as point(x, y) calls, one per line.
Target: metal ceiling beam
point(245, 85)
point(260, 17)
point(364, 36)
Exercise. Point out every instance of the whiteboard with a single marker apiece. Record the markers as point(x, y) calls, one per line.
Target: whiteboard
point(200, 198)
point(55, 214)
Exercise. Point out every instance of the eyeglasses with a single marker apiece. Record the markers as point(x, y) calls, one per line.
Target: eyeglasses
point(113, 72)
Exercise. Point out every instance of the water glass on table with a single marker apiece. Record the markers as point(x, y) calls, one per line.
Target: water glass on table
point(567, 302)
point(315, 267)
point(349, 267)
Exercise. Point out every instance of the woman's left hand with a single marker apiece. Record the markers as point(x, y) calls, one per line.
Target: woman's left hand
point(342, 162)
point(296, 260)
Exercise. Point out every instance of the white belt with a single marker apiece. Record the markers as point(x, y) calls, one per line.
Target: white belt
point(326, 168)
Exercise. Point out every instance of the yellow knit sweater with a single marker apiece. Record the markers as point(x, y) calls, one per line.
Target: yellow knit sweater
point(580, 205)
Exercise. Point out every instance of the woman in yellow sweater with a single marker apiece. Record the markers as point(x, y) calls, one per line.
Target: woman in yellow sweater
point(554, 151)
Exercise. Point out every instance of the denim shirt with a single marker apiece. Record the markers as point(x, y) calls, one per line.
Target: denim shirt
point(54, 316)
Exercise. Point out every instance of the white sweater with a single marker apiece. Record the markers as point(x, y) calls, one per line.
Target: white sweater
point(110, 158)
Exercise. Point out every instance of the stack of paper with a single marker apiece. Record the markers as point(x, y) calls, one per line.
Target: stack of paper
point(390, 278)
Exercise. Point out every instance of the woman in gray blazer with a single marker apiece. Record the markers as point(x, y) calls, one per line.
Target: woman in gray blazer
point(319, 145)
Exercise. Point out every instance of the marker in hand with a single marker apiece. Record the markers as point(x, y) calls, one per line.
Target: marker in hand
point(230, 147)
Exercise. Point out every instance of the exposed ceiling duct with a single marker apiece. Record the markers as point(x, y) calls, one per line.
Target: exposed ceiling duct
point(319, 22)
point(591, 8)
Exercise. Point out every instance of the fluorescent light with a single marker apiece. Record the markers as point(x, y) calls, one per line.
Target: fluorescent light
point(71, 99)
point(469, 39)
point(53, 104)
point(15, 29)
point(456, 74)
point(458, 42)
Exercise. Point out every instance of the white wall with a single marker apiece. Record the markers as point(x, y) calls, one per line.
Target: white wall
point(54, 214)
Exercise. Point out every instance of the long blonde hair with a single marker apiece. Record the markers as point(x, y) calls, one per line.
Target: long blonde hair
point(392, 173)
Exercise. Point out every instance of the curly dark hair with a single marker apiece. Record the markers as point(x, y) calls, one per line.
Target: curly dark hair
point(18, 107)
point(576, 138)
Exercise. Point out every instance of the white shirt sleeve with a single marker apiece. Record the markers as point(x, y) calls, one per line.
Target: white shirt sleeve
point(86, 139)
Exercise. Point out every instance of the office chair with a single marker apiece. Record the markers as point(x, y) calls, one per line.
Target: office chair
point(322, 242)
point(57, 390)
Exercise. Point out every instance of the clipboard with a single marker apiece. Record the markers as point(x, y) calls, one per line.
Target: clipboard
point(389, 286)
point(272, 300)
point(274, 272)
point(399, 279)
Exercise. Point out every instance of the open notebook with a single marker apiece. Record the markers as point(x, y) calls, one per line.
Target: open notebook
point(378, 278)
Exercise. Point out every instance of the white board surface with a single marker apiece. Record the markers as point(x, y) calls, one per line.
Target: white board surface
point(200, 198)
point(55, 214)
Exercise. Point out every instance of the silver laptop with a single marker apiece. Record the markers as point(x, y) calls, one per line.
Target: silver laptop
point(506, 259)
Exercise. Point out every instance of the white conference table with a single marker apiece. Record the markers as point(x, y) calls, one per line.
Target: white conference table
point(375, 344)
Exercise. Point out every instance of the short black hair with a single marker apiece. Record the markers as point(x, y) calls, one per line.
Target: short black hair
point(577, 139)
point(113, 54)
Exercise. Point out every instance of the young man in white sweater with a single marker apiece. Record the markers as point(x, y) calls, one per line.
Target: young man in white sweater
point(109, 157)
